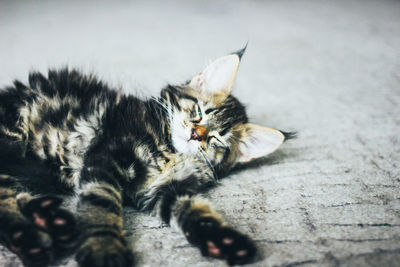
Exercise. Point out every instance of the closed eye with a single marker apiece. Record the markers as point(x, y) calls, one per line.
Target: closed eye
point(198, 114)
point(219, 143)
point(209, 110)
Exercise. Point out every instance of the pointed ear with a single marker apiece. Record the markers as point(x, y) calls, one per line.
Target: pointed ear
point(217, 79)
point(258, 141)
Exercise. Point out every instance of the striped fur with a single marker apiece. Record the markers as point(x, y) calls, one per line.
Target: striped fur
point(73, 151)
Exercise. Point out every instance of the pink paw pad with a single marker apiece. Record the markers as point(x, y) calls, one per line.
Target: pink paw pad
point(213, 250)
point(46, 203)
point(227, 241)
point(34, 251)
point(241, 253)
point(17, 235)
point(39, 221)
point(59, 221)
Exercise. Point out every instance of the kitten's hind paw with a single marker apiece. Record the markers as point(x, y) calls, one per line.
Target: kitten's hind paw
point(46, 214)
point(235, 247)
point(32, 245)
point(217, 241)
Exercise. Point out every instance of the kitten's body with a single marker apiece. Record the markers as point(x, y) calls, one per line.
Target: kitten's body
point(69, 137)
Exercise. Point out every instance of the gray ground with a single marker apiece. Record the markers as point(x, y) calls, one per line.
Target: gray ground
point(327, 69)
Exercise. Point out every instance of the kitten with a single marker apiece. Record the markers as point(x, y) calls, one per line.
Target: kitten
point(73, 151)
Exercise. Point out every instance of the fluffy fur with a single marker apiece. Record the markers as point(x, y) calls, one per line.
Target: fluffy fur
point(73, 152)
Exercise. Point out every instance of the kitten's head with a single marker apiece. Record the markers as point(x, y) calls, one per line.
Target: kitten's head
point(207, 121)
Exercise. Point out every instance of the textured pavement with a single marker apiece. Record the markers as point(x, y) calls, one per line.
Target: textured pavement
point(327, 69)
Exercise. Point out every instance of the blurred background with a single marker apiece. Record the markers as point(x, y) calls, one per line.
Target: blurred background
point(327, 69)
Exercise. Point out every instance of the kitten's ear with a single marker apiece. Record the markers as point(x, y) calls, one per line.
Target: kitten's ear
point(218, 77)
point(258, 141)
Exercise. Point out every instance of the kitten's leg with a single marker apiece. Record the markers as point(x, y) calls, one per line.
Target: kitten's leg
point(22, 237)
point(204, 228)
point(100, 216)
point(201, 225)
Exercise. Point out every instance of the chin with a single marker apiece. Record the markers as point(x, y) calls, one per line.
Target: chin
point(185, 146)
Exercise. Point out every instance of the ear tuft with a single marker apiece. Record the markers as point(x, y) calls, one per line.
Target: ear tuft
point(289, 135)
point(240, 52)
point(258, 141)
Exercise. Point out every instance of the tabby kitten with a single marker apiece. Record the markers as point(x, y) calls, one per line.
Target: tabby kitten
point(73, 151)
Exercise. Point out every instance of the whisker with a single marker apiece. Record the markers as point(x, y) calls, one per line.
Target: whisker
point(165, 107)
point(202, 152)
point(160, 103)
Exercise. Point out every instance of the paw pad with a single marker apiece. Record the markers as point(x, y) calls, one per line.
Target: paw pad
point(17, 235)
point(59, 221)
point(241, 253)
point(39, 220)
point(33, 251)
point(227, 241)
point(47, 203)
point(213, 250)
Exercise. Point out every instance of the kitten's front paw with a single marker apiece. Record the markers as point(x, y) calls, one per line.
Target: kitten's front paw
point(104, 251)
point(217, 241)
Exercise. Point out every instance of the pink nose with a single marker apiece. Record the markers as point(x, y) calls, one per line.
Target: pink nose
point(194, 135)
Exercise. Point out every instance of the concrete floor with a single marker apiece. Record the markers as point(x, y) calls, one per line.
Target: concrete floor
point(327, 69)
